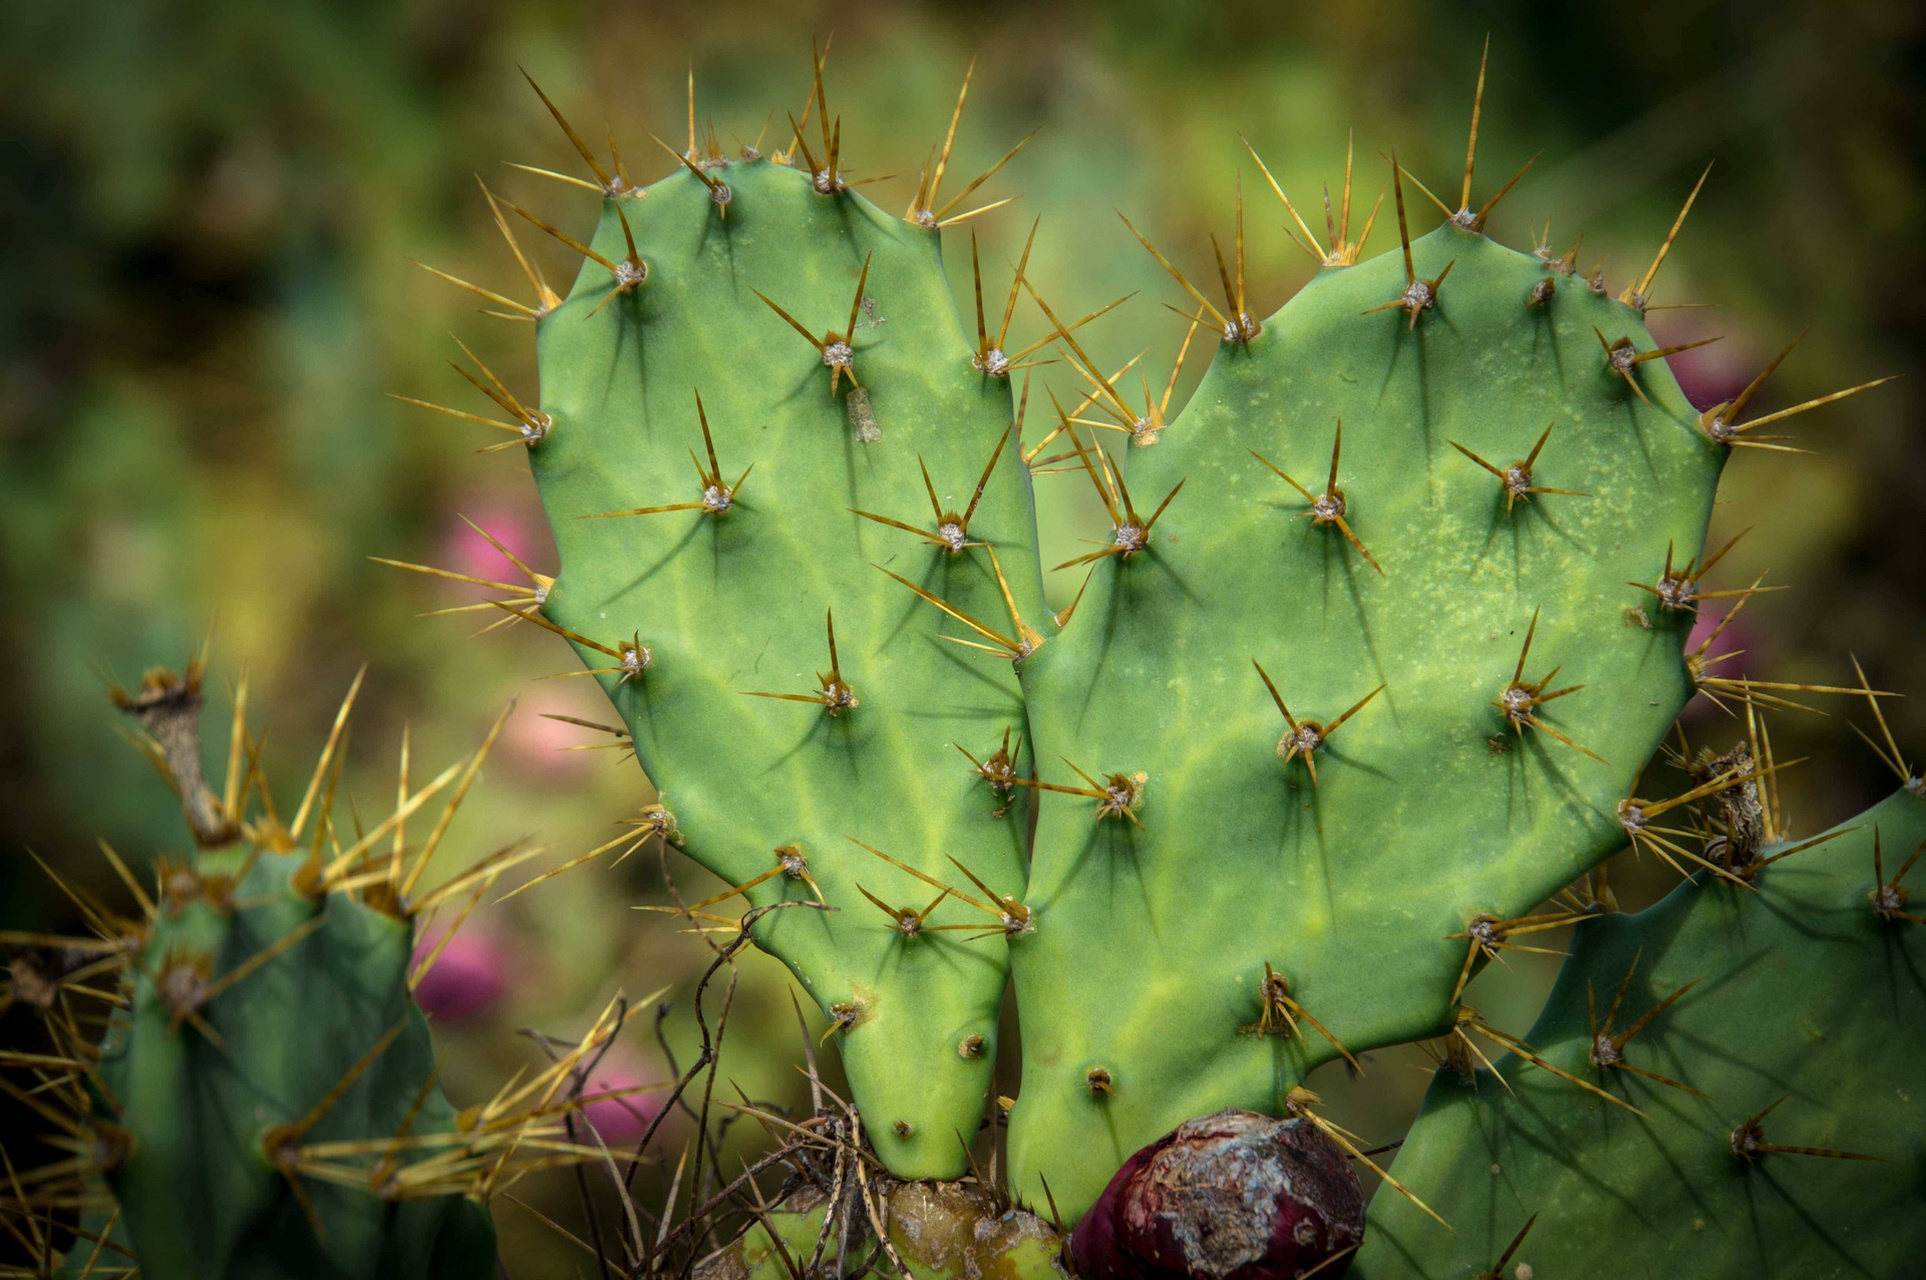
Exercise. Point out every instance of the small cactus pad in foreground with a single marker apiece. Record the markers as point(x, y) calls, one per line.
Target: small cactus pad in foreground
point(268, 1100)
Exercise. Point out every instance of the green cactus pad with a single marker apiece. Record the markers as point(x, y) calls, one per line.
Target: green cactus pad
point(198, 1192)
point(732, 604)
point(1152, 932)
point(1807, 1006)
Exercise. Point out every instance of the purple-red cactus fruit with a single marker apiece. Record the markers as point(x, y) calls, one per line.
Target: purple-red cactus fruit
point(1233, 1196)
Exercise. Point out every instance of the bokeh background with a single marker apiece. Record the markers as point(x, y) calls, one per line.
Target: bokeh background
point(206, 210)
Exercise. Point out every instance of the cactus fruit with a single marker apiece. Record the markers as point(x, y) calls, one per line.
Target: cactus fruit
point(1770, 1039)
point(955, 1231)
point(777, 1244)
point(1235, 1194)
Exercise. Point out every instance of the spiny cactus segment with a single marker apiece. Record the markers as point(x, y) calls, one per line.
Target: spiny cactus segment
point(1438, 669)
point(1766, 1044)
point(265, 1098)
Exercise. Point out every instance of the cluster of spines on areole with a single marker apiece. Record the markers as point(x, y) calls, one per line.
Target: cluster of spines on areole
point(379, 869)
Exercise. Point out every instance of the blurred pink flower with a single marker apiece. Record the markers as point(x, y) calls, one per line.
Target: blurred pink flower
point(466, 979)
point(1710, 615)
point(517, 526)
point(1713, 373)
point(540, 746)
point(621, 1120)
point(1738, 639)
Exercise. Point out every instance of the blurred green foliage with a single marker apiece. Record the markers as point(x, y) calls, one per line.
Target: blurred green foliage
point(205, 209)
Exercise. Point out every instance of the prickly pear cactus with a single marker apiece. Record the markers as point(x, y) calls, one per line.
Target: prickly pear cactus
point(265, 1100)
point(269, 1035)
point(1388, 623)
point(245, 1022)
point(1779, 1127)
point(755, 615)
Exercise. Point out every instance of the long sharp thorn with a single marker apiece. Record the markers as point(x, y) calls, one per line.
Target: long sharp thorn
point(1814, 404)
point(1152, 522)
point(1532, 457)
point(1475, 458)
point(1240, 249)
point(455, 800)
point(574, 139)
point(569, 178)
point(1484, 211)
point(976, 277)
point(1428, 194)
point(1404, 230)
point(1223, 274)
point(1736, 409)
point(327, 754)
point(1275, 696)
point(702, 416)
point(1518, 673)
point(1477, 109)
point(1311, 245)
point(1634, 293)
point(856, 303)
point(1276, 470)
point(811, 338)
point(822, 106)
point(1175, 274)
point(564, 237)
point(1016, 281)
point(942, 215)
point(949, 136)
point(1183, 353)
point(496, 298)
point(1356, 707)
point(984, 480)
point(1342, 239)
point(987, 633)
point(1662, 352)
point(1371, 220)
